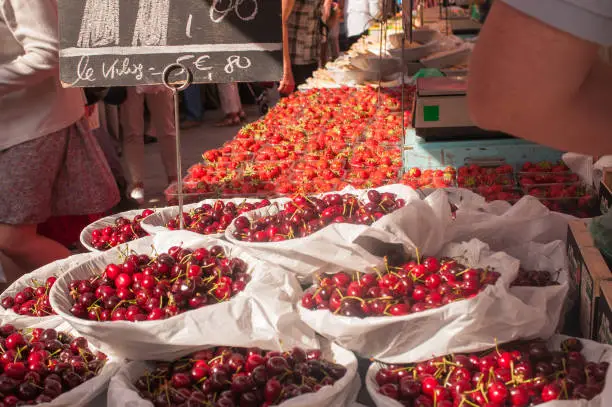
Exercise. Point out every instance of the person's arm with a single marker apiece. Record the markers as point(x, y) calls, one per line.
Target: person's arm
point(327, 10)
point(287, 84)
point(534, 81)
point(33, 23)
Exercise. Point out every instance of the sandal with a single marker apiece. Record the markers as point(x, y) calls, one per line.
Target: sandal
point(231, 119)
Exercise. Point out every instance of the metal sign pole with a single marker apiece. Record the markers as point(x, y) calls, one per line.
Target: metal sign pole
point(176, 87)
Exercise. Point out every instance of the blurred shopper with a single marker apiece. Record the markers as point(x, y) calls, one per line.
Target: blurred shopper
point(333, 15)
point(359, 15)
point(51, 164)
point(302, 27)
point(161, 107)
point(193, 107)
point(536, 72)
point(231, 105)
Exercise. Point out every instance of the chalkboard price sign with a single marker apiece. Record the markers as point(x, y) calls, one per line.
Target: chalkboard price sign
point(131, 42)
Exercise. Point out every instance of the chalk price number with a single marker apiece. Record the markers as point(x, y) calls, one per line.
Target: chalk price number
point(221, 8)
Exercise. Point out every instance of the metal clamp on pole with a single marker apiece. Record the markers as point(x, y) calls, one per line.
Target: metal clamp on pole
point(176, 87)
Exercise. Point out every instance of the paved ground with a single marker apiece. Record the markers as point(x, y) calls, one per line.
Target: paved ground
point(194, 143)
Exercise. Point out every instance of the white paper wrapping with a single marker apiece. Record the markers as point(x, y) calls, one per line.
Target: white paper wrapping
point(464, 199)
point(88, 391)
point(332, 247)
point(122, 393)
point(593, 351)
point(461, 326)
point(525, 221)
point(262, 315)
point(156, 223)
point(603, 162)
point(102, 223)
point(554, 299)
point(582, 165)
point(56, 268)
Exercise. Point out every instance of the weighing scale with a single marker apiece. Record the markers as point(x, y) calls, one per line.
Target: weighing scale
point(441, 111)
point(443, 134)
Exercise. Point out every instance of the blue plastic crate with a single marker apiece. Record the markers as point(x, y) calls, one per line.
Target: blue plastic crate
point(418, 153)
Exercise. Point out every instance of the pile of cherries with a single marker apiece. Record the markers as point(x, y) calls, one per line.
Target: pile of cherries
point(303, 216)
point(153, 288)
point(473, 175)
point(514, 375)
point(534, 278)
point(124, 230)
point(410, 288)
point(41, 364)
point(210, 219)
point(236, 377)
point(32, 300)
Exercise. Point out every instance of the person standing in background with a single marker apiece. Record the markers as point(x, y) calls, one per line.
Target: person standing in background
point(302, 27)
point(231, 105)
point(51, 164)
point(161, 106)
point(194, 108)
point(359, 16)
point(333, 15)
point(151, 29)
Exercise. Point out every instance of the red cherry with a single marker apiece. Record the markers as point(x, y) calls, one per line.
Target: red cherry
point(519, 397)
point(433, 281)
point(431, 264)
point(550, 392)
point(123, 280)
point(498, 393)
point(399, 310)
point(428, 385)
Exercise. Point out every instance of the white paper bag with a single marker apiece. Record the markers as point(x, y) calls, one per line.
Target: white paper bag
point(102, 223)
point(525, 221)
point(593, 351)
point(262, 315)
point(157, 222)
point(89, 390)
point(495, 314)
point(554, 299)
point(332, 247)
point(57, 268)
point(122, 393)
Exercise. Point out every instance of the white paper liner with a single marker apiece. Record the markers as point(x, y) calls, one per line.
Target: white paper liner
point(262, 315)
point(122, 393)
point(85, 236)
point(593, 351)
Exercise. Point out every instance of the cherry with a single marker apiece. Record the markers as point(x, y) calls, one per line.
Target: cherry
point(409, 388)
point(428, 385)
point(431, 264)
point(272, 390)
point(498, 392)
point(399, 309)
point(550, 392)
point(519, 397)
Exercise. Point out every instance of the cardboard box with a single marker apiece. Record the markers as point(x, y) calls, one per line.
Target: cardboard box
point(603, 331)
point(594, 272)
point(605, 191)
point(578, 238)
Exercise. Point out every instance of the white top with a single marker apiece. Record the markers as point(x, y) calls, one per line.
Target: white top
point(587, 19)
point(359, 15)
point(32, 101)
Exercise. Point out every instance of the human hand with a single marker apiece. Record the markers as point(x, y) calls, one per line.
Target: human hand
point(287, 83)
